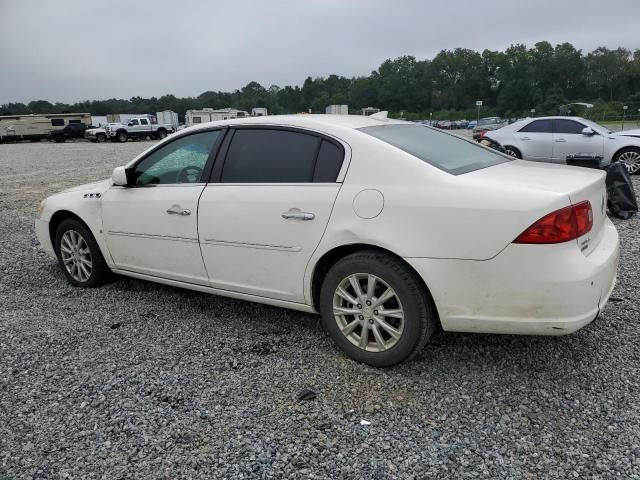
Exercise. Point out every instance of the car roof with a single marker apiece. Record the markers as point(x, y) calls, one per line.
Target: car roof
point(553, 117)
point(319, 122)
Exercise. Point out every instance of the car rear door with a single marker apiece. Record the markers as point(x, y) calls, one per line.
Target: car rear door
point(569, 140)
point(535, 140)
point(266, 208)
point(151, 227)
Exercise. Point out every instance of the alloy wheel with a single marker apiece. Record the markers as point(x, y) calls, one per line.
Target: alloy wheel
point(368, 312)
point(631, 160)
point(76, 256)
point(511, 152)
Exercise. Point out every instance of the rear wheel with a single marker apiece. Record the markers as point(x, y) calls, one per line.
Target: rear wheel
point(122, 137)
point(79, 256)
point(375, 309)
point(162, 134)
point(512, 151)
point(630, 157)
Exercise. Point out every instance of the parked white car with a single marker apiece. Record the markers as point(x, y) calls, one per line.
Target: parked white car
point(553, 139)
point(389, 229)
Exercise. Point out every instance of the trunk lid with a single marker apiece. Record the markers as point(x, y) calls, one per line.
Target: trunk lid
point(577, 183)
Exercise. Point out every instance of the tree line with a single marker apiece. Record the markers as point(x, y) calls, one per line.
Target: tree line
point(510, 83)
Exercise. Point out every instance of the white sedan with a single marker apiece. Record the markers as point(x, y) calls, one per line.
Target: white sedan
point(553, 139)
point(390, 230)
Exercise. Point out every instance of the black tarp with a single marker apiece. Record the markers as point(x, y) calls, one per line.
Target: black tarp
point(622, 201)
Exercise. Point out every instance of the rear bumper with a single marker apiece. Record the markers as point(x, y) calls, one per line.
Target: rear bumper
point(526, 289)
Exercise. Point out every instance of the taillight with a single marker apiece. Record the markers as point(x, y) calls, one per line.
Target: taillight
point(560, 226)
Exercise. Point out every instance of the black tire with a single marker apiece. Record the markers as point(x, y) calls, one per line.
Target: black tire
point(101, 138)
point(512, 151)
point(122, 137)
point(162, 134)
point(420, 318)
point(633, 168)
point(59, 138)
point(100, 272)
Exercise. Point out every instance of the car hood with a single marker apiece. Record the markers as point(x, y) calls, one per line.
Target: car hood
point(628, 133)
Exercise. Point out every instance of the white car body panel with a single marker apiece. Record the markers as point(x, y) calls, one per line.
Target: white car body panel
point(456, 231)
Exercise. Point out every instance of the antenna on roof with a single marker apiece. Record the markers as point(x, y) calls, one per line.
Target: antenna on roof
point(380, 116)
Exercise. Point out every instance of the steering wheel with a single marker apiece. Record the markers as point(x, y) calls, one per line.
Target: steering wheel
point(190, 174)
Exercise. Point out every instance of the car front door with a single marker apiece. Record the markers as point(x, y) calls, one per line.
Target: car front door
point(151, 226)
point(535, 141)
point(569, 140)
point(145, 126)
point(266, 208)
point(133, 127)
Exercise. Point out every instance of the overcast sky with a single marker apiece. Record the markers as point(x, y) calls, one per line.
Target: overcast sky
point(95, 49)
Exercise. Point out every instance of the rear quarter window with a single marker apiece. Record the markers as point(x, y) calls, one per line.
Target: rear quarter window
point(445, 151)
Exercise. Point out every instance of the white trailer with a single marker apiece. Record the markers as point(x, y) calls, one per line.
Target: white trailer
point(98, 120)
point(337, 110)
point(167, 117)
point(195, 117)
point(259, 112)
point(36, 127)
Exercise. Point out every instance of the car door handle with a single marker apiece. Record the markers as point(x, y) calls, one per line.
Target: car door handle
point(525, 138)
point(560, 140)
point(297, 214)
point(178, 210)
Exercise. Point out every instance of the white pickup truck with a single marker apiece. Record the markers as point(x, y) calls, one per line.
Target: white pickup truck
point(139, 127)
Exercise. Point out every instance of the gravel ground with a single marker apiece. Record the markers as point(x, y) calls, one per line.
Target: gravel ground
point(137, 380)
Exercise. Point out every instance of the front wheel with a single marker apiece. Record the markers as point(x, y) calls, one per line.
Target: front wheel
point(375, 309)
point(100, 138)
point(122, 137)
point(630, 157)
point(79, 255)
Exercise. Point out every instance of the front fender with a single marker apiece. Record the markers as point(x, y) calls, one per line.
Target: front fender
point(84, 203)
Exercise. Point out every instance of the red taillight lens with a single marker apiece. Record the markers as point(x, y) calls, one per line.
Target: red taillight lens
point(560, 226)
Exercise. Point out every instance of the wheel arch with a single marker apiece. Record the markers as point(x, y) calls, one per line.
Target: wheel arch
point(331, 257)
point(626, 147)
point(513, 147)
point(58, 217)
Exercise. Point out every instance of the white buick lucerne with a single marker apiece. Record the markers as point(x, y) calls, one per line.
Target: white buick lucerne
point(390, 230)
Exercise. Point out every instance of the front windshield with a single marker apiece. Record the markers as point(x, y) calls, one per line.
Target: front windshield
point(445, 151)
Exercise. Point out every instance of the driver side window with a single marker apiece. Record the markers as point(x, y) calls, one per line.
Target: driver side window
point(181, 161)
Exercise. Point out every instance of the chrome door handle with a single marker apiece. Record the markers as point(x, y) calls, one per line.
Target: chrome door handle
point(178, 210)
point(525, 138)
point(297, 214)
point(560, 140)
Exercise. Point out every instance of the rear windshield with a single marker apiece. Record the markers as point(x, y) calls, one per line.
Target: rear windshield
point(442, 150)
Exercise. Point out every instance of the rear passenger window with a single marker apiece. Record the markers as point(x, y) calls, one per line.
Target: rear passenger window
point(270, 156)
point(329, 162)
point(537, 126)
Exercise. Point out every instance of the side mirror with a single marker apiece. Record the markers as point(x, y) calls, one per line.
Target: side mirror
point(120, 177)
point(130, 124)
point(588, 131)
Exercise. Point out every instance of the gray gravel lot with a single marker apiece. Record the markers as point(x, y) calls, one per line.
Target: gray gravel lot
point(137, 380)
